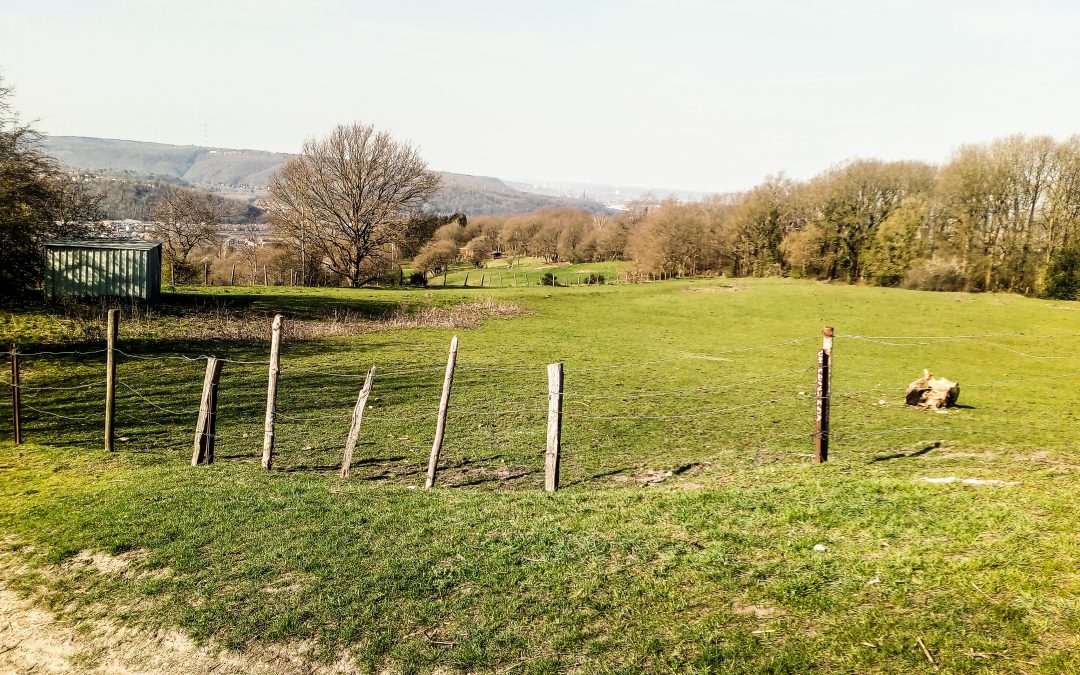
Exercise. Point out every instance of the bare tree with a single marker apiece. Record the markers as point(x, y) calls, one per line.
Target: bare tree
point(183, 219)
point(349, 196)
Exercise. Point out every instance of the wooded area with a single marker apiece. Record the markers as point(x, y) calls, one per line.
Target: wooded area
point(1000, 216)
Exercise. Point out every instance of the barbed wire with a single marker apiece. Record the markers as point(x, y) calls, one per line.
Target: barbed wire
point(63, 417)
point(155, 405)
point(181, 357)
point(707, 413)
point(23, 387)
point(676, 392)
point(927, 340)
point(64, 353)
point(703, 356)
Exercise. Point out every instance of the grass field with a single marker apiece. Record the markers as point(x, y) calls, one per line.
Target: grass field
point(709, 568)
point(520, 272)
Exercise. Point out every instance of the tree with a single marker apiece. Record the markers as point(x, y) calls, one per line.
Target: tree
point(1063, 276)
point(183, 219)
point(38, 202)
point(350, 197)
point(436, 256)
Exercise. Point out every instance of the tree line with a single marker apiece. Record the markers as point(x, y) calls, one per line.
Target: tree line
point(998, 216)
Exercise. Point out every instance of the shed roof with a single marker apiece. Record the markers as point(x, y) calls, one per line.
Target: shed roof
point(129, 244)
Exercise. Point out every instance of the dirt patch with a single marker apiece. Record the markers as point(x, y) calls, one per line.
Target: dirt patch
point(756, 611)
point(949, 480)
point(35, 640)
point(706, 357)
point(711, 289)
point(113, 565)
point(653, 477)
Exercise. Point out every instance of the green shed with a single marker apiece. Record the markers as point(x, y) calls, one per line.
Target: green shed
point(123, 268)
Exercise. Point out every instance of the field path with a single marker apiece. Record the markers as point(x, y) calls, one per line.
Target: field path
point(33, 640)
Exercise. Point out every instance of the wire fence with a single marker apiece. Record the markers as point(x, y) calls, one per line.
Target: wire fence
point(500, 415)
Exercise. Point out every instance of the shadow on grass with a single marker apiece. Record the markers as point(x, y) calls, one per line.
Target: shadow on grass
point(597, 476)
point(357, 463)
point(908, 455)
point(480, 480)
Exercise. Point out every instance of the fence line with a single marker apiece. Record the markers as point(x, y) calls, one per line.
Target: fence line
point(584, 406)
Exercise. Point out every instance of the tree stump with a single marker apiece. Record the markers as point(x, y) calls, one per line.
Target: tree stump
point(932, 393)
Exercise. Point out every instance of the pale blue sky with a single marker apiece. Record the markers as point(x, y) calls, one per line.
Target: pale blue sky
point(679, 94)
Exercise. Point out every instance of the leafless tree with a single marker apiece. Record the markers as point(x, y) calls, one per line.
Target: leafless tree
point(184, 219)
point(348, 197)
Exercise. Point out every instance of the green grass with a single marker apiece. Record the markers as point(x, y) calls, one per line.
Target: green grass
point(521, 272)
point(711, 570)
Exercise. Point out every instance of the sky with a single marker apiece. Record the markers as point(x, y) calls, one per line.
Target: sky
point(680, 94)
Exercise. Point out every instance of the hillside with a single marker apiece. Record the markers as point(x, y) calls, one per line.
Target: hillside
point(230, 169)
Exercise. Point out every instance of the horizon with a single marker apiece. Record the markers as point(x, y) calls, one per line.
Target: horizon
point(685, 96)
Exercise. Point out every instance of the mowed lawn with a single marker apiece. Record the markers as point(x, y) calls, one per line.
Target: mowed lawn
point(688, 534)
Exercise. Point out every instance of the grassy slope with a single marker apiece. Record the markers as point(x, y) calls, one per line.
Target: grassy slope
point(519, 272)
point(606, 575)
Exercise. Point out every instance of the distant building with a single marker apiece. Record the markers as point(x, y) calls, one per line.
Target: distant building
point(122, 268)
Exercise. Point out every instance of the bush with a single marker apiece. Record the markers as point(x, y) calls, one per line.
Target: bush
point(549, 280)
point(594, 278)
point(418, 279)
point(1063, 276)
point(936, 275)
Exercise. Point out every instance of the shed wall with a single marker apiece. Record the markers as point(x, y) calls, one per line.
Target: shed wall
point(119, 272)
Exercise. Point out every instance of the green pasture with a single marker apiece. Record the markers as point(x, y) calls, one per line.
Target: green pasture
point(524, 271)
point(683, 539)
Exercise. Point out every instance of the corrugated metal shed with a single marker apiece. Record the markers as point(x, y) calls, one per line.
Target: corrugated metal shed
point(124, 268)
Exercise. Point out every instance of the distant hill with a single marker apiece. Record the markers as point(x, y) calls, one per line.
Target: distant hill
point(228, 170)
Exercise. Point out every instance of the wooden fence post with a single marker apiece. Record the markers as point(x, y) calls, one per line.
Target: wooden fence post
point(554, 432)
point(205, 272)
point(265, 281)
point(444, 275)
point(110, 379)
point(824, 392)
point(271, 394)
point(232, 276)
point(466, 284)
point(203, 450)
point(16, 404)
point(357, 418)
point(444, 404)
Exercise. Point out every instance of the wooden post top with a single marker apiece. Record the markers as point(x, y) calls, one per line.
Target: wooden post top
point(826, 339)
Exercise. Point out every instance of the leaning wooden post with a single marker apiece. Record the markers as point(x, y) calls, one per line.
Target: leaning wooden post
point(271, 394)
point(357, 418)
point(824, 382)
point(232, 276)
point(110, 379)
point(444, 403)
point(554, 431)
point(16, 404)
point(466, 284)
point(203, 450)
